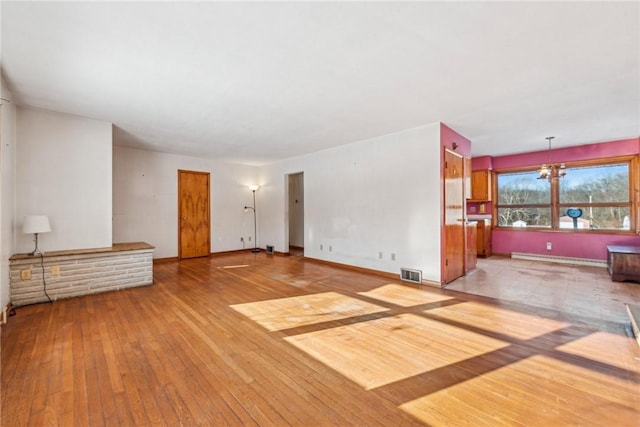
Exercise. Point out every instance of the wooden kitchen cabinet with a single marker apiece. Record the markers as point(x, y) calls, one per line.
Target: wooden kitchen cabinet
point(483, 239)
point(481, 185)
point(466, 173)
point(470, 254)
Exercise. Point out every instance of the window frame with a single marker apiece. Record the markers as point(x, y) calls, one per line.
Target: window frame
point(556, 206)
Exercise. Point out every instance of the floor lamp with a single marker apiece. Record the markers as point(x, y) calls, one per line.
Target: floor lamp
point(254, 188)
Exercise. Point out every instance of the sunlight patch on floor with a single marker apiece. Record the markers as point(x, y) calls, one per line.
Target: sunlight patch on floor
point(285, 313)
point(605, 347)
point(500, 320)
point(383, 351)
point(404, 296)
point(536, 391)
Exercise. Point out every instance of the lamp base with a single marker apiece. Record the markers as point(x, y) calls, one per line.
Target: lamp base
point(36, 251)
point(255, 250)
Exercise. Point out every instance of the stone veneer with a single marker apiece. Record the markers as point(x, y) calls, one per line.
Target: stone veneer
point(81, 272)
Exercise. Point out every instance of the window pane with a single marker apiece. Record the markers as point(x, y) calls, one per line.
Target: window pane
point(598, 218)
point(524, 217)
point(596, 184)
point(523, 188)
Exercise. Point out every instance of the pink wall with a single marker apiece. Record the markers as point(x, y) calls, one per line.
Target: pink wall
point(570, 154)
point(575, 245)
point(448, 136)
point(481, 163)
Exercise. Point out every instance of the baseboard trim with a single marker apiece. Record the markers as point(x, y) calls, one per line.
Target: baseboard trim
point(386, 274)
point(235, 251)
point(163, 260)
point(560, 259)
point(500, 255)
point(221, 253)
point(8, 311)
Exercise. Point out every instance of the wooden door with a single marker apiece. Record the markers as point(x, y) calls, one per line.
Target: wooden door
point(466, 171)
point(194, 214)
point(454, 239)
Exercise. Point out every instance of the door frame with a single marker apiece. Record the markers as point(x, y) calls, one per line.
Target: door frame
point(208, 175)
point(287, 225)
point(443, 250)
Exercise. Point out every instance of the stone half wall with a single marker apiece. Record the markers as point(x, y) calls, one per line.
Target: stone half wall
point(79, 272)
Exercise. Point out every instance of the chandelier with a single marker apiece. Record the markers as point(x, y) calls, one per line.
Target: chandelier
point(549, 171)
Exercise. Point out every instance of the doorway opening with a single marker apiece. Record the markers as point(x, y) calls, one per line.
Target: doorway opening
point(295, 201)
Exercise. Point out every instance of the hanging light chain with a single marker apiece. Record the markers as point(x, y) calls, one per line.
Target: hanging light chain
point(548, 170)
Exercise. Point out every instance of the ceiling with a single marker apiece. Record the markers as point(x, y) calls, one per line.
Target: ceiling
point(259, 82)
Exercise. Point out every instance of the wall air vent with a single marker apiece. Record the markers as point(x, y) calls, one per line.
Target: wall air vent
point(410, 275)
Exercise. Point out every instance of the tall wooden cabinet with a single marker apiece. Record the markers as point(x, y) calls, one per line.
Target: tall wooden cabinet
point(471, 258)
point(483, 242)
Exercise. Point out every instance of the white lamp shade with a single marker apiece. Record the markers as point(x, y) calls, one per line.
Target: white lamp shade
point(253, 187)
point(36, 224)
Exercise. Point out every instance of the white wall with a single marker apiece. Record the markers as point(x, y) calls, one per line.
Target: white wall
point(64, 172)
point(378, 195)
point(145, 200)
point(7, 170)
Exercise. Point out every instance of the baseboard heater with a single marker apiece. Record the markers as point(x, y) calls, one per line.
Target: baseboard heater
point(560, 259)
point(411, 275)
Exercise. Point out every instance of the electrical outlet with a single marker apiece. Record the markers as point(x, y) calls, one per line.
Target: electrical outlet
point(379, 255)
point(242, 239)
point(249, 238)
point(320, 247)
point(55, 270)
point(25, 274)
point(330, 248)
point(393, 257)
point(548, 246)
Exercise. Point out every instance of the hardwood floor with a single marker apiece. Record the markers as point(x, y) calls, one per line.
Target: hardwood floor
point(250, 339)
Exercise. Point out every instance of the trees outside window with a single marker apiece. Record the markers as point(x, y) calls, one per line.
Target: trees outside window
point(523, 200)
point(600, 192)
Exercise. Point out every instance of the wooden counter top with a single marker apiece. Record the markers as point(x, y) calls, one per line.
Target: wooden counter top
point(116, 247)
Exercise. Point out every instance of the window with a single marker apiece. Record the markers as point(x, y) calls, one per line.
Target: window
point(590, 197)
point(523, 200)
